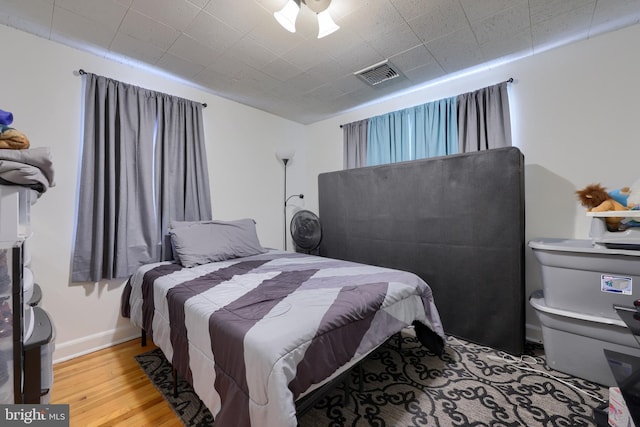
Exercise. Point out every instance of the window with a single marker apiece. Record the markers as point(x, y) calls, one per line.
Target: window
point(143, 165)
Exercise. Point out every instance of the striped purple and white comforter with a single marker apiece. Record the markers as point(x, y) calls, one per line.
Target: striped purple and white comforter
point(254, 334)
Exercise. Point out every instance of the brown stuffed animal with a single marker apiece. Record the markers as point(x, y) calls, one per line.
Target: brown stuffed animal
point(596, 199)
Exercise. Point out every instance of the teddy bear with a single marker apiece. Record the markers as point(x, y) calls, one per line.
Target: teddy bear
point(596, 199)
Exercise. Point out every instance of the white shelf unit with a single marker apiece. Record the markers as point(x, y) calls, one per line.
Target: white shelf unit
point(615, 214)
point(26, 352)
point(626, 239)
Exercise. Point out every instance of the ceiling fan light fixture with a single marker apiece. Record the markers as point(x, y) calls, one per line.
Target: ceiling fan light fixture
point(326, 25)
point(288, 14)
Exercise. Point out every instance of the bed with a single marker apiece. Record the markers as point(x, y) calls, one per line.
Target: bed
point(255, 330)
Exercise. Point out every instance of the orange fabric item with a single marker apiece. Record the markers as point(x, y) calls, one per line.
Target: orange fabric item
point(13, 139)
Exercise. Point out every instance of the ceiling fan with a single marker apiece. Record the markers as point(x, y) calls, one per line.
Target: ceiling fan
point(288, 14)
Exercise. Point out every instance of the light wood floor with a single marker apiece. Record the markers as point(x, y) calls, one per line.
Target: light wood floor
point(108, 388)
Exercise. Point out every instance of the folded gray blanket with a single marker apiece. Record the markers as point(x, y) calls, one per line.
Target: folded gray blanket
point(32, 168)
point(22, 174)
point(39, 158)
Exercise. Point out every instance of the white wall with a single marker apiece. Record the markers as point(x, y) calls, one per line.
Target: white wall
point(575, 113)
point(38, 85)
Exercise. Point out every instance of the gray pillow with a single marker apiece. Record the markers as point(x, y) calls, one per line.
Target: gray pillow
point(179, 224)
point(197, 243)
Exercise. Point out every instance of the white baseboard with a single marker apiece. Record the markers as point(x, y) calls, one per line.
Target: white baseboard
point(80, 347)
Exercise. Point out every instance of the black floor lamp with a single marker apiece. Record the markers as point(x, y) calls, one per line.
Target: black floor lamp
point(285, 156)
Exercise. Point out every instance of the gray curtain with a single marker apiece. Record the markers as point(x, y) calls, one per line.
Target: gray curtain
point(181, 166)
point(354, 136)
point(143, 164)
point(484, 119)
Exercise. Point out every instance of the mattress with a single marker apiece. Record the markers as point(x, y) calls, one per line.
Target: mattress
point(252, 335)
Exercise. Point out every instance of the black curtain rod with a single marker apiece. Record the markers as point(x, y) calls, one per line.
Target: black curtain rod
point(509, 80)
point(83, 72)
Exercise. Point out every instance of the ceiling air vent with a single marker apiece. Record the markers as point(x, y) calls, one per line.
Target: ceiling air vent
point(378, 73)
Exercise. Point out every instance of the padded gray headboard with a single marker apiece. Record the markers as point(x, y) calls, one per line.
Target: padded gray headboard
point(455, 221)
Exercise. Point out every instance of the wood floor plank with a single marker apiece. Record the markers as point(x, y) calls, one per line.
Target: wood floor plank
point(108, 388)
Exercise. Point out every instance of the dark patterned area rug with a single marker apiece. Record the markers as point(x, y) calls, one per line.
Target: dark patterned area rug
point(469, 385)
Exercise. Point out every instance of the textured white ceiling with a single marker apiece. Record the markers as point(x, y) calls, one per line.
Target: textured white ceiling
point(237, 50)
